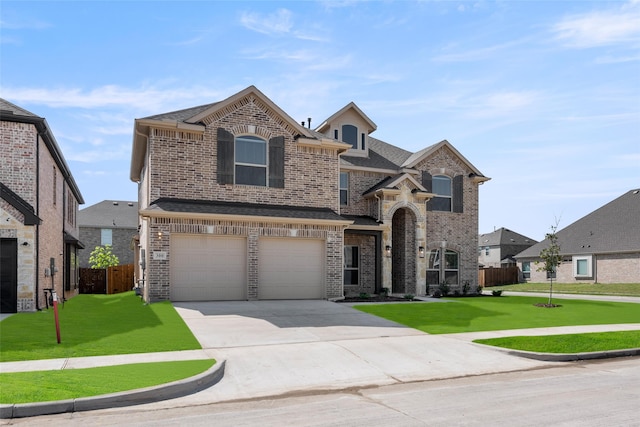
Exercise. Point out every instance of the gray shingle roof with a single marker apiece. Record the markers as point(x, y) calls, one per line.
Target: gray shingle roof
point(110, 214)
point(243, 209)
point(181, 115)
point(381, 156)
point(6, 106)
point(613, 228)
point(504, 236)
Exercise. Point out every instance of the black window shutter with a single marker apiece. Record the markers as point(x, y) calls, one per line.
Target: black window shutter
point(226, 158)
point(276, 162)
point(427, 184)
point(457, 193)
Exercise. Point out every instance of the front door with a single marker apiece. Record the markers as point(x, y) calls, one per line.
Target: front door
point(8, 275)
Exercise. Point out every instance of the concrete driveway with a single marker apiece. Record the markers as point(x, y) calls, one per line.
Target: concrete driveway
point(275, 348)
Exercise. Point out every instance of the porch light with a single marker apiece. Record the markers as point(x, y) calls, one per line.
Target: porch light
point(387, 250)
point(159, 235)
point(421, 252)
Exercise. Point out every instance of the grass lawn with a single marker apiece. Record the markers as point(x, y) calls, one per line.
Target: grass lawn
point(621, 289)
point(506, 312)
point(95, 325)
point(570, 343)
point(44, 386)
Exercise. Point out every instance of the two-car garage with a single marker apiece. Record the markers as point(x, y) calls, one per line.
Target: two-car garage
point(209, 268)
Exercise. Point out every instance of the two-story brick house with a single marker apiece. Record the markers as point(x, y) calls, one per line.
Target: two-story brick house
point(38, 210)
point(240, 201)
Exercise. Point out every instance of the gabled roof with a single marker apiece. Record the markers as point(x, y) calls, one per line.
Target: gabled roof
point(381, 156)
point(393, 182)
point(27, 211)
point(613, 228)
point(417, 157)
point(350, 106)
point(504, 236)
point(12, 113)
point(194, 120)
point(110, 214)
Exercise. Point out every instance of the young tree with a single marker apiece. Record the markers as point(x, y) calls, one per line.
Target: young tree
point(551, 258)
point(102, 257)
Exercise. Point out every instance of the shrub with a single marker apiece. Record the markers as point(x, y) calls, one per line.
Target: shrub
point(479, 289)
point(364, 295)
point(456, 293)
point(496, 293)
point(444, 288)
point(409, 296)
point(437, 293)
point(466, 287)
point(384, 292)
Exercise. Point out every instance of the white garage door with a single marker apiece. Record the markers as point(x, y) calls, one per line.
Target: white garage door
point(208, 268)
point(291, 269)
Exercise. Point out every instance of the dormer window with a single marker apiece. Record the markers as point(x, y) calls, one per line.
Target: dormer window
point(350, 135)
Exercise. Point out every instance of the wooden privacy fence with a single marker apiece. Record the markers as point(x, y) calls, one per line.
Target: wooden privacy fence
point(498, 276)
point(110, 280)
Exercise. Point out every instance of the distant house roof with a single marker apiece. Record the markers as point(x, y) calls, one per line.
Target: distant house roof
point(504, 236)
point(110, 214)
point(12, 113)
point(613, 228)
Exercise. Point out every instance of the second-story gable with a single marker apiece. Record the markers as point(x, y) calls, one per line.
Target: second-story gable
point(244, 149)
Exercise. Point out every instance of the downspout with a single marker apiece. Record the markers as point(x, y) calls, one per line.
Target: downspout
point(63, 263)
point(379, 207)
point(37, 249)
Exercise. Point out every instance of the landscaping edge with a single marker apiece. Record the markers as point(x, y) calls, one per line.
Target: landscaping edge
point(139, 396)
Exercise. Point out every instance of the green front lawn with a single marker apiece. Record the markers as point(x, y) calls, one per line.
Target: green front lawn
point(569, 343)
point(45, 386)
point(95, 325)
point(506, 312)
point(620, 289)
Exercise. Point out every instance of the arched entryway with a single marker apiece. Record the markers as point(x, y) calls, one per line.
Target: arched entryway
point(403, 257)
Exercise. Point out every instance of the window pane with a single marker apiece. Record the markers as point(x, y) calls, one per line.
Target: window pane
point(451, 277)
point(344, 180)
point(351, 257)
point(440, 204)
point(106, 236)
point(350, 135)
point(351, 277)
point(451, 260)
point(250, 175)
point(433, 258)
point(344, 197)
point(581, 267)
point(250, 149)
point(433, 277)
point(442, 185)
point(526, 266)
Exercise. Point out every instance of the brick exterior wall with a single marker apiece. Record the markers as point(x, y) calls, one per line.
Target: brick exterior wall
point(121, 247)
point(30, 171)
point(607, 268)
point(184, 165)
point(367, 271)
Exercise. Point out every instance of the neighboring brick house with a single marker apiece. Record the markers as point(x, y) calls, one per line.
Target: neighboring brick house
point(38, 210)
point(110, 222)
point(497, 249)
point(239, 201)
point(602, 247)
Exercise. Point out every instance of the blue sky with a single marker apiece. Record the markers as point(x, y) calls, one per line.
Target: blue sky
point(543, 97)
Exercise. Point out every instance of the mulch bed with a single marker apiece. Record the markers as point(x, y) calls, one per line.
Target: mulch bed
point(547, 305)
point(375, 298)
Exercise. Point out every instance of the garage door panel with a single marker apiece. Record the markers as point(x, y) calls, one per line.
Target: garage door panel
point(291, 269)
point(208, 268)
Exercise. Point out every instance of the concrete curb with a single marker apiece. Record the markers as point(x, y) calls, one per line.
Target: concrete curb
point(171, 390)
point(566, 357)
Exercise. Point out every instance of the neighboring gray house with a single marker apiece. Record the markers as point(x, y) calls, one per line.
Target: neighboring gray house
point(602, 247)
point(498, 248)
point(239, 201)
point(110, 222)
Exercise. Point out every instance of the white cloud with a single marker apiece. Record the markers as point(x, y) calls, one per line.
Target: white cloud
point(276, 23)
point(600, 28)
point(479, 54)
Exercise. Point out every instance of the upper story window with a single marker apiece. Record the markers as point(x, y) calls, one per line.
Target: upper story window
point(350, 135)
point(449, 192)
point(441, 187)
point(106, 236)
point(344, 188)
point(251, 160)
